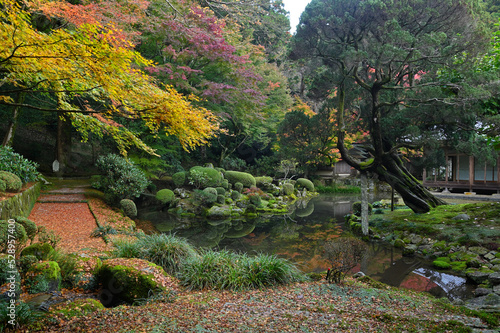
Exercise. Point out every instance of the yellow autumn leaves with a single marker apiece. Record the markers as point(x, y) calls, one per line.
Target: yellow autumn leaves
point(84, 63)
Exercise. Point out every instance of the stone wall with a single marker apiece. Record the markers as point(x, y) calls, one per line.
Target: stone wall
point(21, 204)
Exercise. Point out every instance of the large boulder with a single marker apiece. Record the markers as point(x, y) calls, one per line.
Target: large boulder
point(129, 280)
point(44, 276)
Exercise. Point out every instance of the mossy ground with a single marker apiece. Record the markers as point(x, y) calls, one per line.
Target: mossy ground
point(482, 229)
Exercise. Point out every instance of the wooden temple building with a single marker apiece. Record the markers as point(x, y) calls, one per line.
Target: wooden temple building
point(464, 173)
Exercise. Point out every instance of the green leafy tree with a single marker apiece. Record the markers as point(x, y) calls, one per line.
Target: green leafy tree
point(397, 65)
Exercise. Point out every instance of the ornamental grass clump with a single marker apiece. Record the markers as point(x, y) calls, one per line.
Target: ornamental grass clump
point(167, 251)
point(229, 270)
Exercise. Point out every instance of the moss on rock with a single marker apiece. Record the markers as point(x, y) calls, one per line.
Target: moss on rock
point(40, 250)
point(43, 277)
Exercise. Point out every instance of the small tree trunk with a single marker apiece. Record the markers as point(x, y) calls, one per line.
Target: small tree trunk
point(364, 204)
point(11, 129)
point(63, 143)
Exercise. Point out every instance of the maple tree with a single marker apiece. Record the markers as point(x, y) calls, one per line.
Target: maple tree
point(89, 73)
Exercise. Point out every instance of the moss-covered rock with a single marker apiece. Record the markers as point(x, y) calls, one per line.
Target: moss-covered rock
point(43, 277)
point(304, 183)
point(439, 264)
point(165, 196)
point(78, 308)
point(40, 250)
point(219, 213)
point(129, 280)
point(129, 207)
point(356, 208)
point(240, 177)
point(12, 182)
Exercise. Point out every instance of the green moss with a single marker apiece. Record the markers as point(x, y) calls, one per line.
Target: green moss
point(127, 284)
point(128, 207)
point(202, 177)
point(29, 226)
point(40, 250)
point(441, 264)
point(458, 266)
point(78, 308)
point(288, 189)
point(44, 276)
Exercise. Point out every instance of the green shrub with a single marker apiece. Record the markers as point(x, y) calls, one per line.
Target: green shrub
point(305, 183)
point(119, 179)
point(128, 207)
point(234, 163)
point(12, 182)
point(69, 267)
point(15, 229)
point(40, 250)
point(263, 182)
point(356, 208)
point(225, 184)
point(238, 187)
point(48, 236)
point(288, 189)
point(255, 199)
point(165, 196)
point(211, 194)
point(201, 177)
point(23, 313)
point(18, 165)
point(3, 186)
point(179, 178)
point(221, 199)
point(220, 191)
point(235, 195)
point(240, 177)
point(29, 226)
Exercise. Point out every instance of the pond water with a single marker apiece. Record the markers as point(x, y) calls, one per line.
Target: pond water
point(300, 237)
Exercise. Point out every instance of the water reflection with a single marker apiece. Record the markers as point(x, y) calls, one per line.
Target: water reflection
point(300, 237)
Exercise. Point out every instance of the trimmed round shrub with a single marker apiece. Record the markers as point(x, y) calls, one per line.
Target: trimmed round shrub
point(179, 178)
point(12, 182)
point(240, 177)
point(19, 233)
point(220, 191)
point(3, 186)
point(263, 182)
point(235, 195)
point(255, 199)
point(120, 179)
point(29, 226)
point(202, 177)
point(225, 184)
point(221, 199)
point(165, 196)
point(211, 194)
point(18, 165)
point(238, 187)
point(288, 189)
point(40, 250)
point(356, 208)
point(129, 207)
point(305, 183)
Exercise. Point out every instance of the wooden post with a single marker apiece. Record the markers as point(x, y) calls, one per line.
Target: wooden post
point(471, 172)
point(458, 168)
point(446, 172)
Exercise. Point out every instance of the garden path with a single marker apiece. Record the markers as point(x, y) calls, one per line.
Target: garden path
point(65, 210)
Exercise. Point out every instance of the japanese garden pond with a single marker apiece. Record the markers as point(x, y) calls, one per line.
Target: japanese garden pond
point(300, 237)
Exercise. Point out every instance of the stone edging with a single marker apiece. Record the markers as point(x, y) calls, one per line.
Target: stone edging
point(21, 204)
